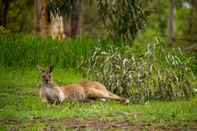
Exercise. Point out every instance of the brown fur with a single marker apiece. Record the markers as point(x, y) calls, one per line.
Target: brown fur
point(83, 91)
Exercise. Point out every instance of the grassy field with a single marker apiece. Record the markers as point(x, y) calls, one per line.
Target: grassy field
point(21, 108)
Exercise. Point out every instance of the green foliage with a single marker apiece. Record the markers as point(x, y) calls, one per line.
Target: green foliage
point(122, 18)
point(141, 73)
point(158, 73)
point(26, 50)
point(20, 16)
point(158, 16)
point(4, 31)
point(60, 7)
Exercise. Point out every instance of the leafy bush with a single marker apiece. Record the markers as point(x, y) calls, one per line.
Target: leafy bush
point(160, 73)
point(4, 30)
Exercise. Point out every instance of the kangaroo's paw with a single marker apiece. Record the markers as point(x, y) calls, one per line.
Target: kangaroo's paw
point(126, 101)
point(103, 99)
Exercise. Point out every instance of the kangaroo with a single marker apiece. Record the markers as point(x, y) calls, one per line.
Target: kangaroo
point(82, 91)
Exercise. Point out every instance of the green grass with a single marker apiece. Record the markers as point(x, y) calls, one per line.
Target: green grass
point(20, 104)
point(27, 50)
point(19, 100)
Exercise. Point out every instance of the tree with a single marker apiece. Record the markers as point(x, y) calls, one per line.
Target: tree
point(42, 17)
point(172, 22)
point(123, 18)
point(68, 10)
point(192, 29)
point(75, 17)
point(4, 12)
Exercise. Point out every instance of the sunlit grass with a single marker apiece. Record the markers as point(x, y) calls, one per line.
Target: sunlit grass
point(20, 100)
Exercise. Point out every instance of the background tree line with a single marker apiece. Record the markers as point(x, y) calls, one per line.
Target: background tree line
point(122, 20)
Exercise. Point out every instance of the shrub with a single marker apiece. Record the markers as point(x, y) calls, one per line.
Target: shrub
point(159, 73)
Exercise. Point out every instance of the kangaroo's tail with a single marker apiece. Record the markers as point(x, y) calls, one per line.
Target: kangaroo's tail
point(118, 98)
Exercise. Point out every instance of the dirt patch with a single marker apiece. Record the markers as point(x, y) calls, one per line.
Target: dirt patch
point(111, 125)
point(95, 124)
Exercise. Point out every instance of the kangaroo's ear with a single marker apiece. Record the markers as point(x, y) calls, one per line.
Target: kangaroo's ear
point(51, 67)
point(41, 69)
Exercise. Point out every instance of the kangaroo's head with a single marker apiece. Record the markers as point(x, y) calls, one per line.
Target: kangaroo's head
point(46, 74)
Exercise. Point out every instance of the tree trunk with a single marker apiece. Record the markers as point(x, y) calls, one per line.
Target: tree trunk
point(161, 22)
point(41, 18)
point(75, 17)
point(36, 17)
point(4, 12)
point(172, 22)
point(67, 27)
point(192, 31)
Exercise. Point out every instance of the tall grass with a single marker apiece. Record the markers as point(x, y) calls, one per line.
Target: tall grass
point(21, 50)
point(150, 72)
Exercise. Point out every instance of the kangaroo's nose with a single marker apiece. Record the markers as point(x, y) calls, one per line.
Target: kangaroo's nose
point(46, 78)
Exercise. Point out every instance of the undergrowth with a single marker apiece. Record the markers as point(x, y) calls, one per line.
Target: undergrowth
point(143, 72)
point(157, 73)
point(21, 50)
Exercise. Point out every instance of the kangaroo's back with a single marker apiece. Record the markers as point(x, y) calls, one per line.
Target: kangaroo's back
point(88, 85)
point(74, 92)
